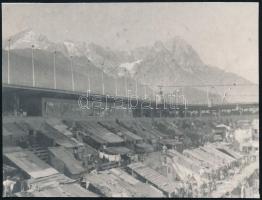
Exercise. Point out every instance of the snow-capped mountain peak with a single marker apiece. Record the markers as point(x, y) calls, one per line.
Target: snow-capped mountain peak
point(26, 39)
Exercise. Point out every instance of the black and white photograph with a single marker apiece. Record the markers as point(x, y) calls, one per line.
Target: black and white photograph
point(156, 99)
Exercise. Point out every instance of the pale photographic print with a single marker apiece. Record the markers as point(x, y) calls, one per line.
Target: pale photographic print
point(130, 100)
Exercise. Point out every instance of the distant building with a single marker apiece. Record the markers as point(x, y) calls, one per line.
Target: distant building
point(242, 138)
point(255, 129)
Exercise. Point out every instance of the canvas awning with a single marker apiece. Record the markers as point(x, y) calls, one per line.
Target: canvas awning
point(97, 131)
point(117, 150)
point(156, 179)
point(30, 163)
point(144, 148)
point(70, 190)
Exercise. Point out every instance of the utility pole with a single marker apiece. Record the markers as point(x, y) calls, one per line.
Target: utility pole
point(8, 61)
point(161, 99)
point(88, 79)
point(103, 86)
point(116, 86)
point(54, 70)
point(72, 73)
point(145, 91)
point(160, 93)
point(208, 105)
point(33, 66)
point(136, 87)
point(126, 83)
point(89, 84)
point(88, 91)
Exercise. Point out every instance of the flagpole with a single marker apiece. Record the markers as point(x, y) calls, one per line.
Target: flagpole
point(145, 91)
point(103, 86)
point(126, 83)
point(33, 66)
point(116, 86)
point(136, 88)
point(8, 62)
point(54, 69)
point(89, 84)
point(72, 73)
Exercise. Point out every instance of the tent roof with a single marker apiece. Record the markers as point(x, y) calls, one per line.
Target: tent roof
point(145, 147)
point(223, 126)
point(57, 136)
point(30, 163)
point(118, 128)
point(13, 129)
point(73, 165)
point(66, 190)
point(99, 133)
point(118, 150)
point(154, 177)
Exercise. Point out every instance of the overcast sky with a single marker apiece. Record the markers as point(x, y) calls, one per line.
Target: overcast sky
point(224, 34)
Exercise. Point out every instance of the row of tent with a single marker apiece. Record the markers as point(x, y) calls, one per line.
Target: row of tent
point(193, 165)
point(200, 162)
point(45, 181)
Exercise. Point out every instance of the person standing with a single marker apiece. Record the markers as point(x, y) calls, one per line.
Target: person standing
point(8, 186)
point(247, 187)
point(190, 190)
point(221, 175)
point(195, 193)
point(24, 186)
point(17, 186)
point(243, 191)
point(201, 172)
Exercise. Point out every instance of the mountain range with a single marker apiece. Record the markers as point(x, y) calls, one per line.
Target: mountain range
point(167, 65)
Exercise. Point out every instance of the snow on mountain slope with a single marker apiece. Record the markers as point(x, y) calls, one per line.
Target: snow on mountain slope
point(172, 62)
point(27, 38)
point(130, 67)
point(76, 48)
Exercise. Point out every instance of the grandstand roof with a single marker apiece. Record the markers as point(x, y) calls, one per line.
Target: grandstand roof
point(22, 88)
